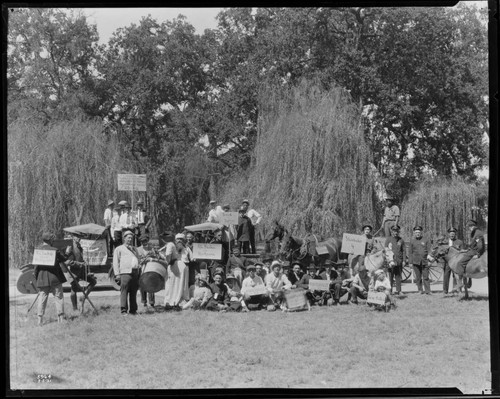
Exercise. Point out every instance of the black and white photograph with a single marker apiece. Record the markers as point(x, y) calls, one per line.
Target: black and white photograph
point(209, 199)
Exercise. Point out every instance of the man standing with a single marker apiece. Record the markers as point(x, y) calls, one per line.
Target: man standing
point(49, 279)
point(126, 269)
point(127, 220)
point(108, 216)
point(391, 216)
point(245, 231)
point(453, 241)
point(417, 256)
point(116, 228)
point(397, 245)
point(255, 219)
point(80, 270)
point(476, 246)
point(276, 284)
point(193, 266)
point(142, 219)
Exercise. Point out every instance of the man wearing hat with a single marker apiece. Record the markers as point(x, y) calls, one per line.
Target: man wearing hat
point(116, 228)
point(244, 232)
point(49, 279)
point(255, 219)
point(144, 252)
point(397, 245)
point(276, 284)
point(79, 268)
point(476, 246)
point(303, 283)
point(108, 216)
point(253, 301)
point(126, 269)
point(391, 216)
point(260, 271)
point(295, 274)
point(142, 219)
point(360, 285)
point(453, 241)
point(127, 219)
point(418, 251)
point(237, 265)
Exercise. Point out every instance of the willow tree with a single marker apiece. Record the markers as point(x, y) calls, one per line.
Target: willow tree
point(311, 163)
point(59, 175)
point(441, 203)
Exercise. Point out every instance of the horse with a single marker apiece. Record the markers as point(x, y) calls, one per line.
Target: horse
point(475, 268)
point(278, 231)
point(305, 252)
point(374, 261)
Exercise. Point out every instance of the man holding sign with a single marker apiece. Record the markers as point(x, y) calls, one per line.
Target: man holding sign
point(49, 277)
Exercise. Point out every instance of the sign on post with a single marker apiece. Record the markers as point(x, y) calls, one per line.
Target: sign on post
point(319, 285)
point(229, 218)
point(207, 251)
point(377, 298)
point(131, 182)
point(45, 257)
point(353, 244)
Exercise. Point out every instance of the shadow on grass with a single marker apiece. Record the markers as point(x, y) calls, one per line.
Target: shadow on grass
point(475, 298)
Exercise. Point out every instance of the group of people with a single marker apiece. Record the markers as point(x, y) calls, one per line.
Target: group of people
point(245, 231)
point(236, 282)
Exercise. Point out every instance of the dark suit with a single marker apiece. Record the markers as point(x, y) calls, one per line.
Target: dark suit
point(294, 278)
point(458, 244)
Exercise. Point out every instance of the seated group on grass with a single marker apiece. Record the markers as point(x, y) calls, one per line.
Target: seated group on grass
point(267, 290)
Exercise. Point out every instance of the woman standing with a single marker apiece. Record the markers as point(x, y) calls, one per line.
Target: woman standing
point(176, 287)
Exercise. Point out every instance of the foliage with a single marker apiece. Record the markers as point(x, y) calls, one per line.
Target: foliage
point(60, 175)
point(52, 56)
point(438, 204)
point(311, 169)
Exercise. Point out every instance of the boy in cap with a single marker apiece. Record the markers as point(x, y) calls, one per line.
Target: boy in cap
point(397, 245)
point(252, 301)
point(276, 284)
point(453, 241)
point(49, 279)
point(418, 251)
point(391, 216)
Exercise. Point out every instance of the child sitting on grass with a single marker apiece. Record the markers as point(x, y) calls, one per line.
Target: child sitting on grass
point(382, 284)
point(201, 294)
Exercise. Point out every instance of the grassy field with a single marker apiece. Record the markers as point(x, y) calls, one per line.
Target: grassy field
point(426, 342)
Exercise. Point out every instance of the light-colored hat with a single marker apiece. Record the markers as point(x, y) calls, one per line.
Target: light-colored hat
point(128, 233)
point(245, 201)
point(213, 201)
point(110, 202)
point(122, 202)
point(275, 263)
point(180, 236)
point(378, 272)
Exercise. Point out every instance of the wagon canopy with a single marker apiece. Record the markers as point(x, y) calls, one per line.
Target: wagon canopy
point(86, 229)
point(204, 226)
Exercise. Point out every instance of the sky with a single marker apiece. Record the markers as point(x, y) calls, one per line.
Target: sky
point(108, 20)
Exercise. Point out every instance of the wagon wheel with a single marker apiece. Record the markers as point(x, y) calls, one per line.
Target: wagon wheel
point(435, 271)
point(405, 273)
point(112, 281)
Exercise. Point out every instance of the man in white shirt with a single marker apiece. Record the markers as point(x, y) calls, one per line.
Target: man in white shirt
point(108, 216)
point(127, 220)
point(255, 218)
point(253, 301)
point(276, 284)
point(116, 228)
point(126, 269)
point(215, 213)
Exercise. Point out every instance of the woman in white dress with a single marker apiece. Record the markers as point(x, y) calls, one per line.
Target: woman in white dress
point(176, 286)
